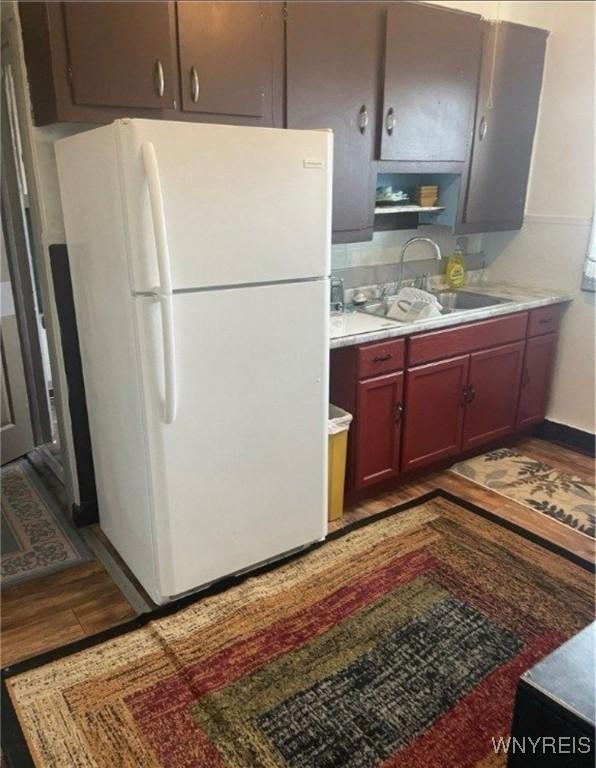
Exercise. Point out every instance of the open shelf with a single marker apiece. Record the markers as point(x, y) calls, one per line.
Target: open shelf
point(407, 208)
point(409, 215)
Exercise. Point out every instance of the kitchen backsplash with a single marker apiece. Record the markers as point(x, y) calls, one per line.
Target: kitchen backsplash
point(385, 247)
point(376, 263)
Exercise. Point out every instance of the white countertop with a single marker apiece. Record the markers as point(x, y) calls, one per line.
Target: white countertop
point(350, 328)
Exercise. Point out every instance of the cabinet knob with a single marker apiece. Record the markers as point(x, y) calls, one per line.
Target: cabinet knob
point(159, 78)
point(464, 396)
point(390, 121)
point(399, 410)
point(363, 119)
point(195, 87)
point(482, 128)
point(526, 378)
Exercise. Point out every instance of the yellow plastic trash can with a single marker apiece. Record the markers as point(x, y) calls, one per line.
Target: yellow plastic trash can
point(339, 424)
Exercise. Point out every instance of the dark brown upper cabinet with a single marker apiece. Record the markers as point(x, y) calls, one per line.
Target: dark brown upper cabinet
point(432, 57)
point(333, 53)
point(98, 61)
point(94, 62)
point(227, 54)
point(122, 54)
point(508, 97)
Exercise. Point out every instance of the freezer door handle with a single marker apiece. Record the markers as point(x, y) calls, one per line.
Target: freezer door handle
point(164, 290)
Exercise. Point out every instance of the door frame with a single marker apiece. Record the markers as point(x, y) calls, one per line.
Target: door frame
point(23, 288)
point(42, 233)
point(16, 432)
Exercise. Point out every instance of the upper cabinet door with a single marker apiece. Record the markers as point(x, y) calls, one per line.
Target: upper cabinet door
point(226, 60)
point(333, 50)
point(122, 54)
point(431, 72)
point(508, 97)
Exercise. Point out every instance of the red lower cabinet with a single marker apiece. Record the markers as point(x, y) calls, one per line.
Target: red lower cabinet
point(536, 379)
point(464, 388)
point(493, 391)
point(379, 405)
point(435, 411)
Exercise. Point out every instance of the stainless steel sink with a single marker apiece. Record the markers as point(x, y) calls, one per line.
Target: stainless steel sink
point(462, 300)
point(450, 301)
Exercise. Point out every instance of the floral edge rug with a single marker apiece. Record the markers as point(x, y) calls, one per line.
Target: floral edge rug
point(37, 538)
point(565, 498)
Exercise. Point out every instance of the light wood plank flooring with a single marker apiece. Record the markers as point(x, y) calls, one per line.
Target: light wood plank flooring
point(560, 458)
point(47, 613)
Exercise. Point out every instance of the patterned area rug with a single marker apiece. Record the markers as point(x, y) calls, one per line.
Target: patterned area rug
point(568, 500)
point(37, 539)
point(396, 643)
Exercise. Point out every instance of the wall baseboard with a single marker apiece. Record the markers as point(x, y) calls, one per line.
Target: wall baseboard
point(570, 437)
point(86, 513)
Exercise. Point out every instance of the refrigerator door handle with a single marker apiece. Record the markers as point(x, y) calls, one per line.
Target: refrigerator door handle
point(164, 290)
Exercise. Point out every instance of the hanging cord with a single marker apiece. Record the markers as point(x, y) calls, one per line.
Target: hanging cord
point(497, 22)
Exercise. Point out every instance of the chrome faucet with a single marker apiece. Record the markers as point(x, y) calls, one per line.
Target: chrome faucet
point(404, 248)
point(337, 294)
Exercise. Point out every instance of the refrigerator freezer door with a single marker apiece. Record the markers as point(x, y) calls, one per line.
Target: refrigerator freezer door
point(242, 205)
point(239, 476)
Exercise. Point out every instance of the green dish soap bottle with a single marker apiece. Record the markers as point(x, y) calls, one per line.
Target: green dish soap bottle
point(455, 271)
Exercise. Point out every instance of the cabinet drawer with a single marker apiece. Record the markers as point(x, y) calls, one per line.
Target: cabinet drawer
point(544, 320)
point(438, 345)
point(381, 358)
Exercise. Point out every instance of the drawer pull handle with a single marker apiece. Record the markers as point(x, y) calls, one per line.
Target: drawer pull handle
point(544, 321)
point(399, 410)
point(471, 393)
point(382, 358)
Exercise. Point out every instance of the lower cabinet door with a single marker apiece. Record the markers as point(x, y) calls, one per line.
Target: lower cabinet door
point(378, 428)
point(493, 392)
point(536, 378)
point(435, 411)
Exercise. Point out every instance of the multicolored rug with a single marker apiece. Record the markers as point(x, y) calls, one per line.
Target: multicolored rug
point(37, 538)
point(566, 499)
point(396, 643)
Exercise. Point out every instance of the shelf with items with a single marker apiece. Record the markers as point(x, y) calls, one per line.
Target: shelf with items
point(406, 213)
point(381, 210)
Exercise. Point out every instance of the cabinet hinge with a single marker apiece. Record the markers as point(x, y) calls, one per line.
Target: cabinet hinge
point(284, 13)
point(69, 74)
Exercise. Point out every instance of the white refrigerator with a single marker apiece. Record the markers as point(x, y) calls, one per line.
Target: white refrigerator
point(200, 260)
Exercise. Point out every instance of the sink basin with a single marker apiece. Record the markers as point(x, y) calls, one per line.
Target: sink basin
point(461, 300)
point(450, 301)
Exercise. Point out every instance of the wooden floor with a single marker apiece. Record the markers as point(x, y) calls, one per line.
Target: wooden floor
point(560, 458)
point(47, 613)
